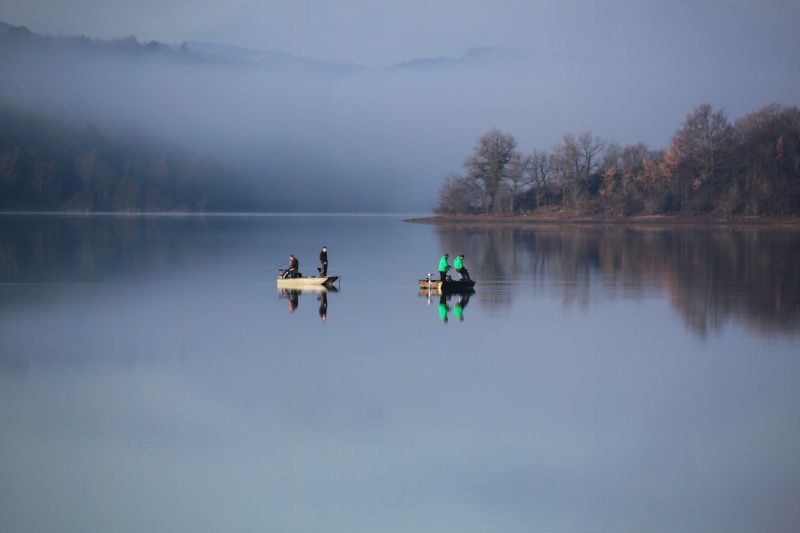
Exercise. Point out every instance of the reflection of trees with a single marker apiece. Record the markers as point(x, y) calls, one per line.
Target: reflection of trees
point(712, 275)
point(45, 249)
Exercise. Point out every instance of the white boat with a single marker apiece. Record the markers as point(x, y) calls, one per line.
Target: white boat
point(301, 282)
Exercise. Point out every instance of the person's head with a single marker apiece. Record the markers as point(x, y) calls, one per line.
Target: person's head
point(324, 248)
point(462, 256)
point(446, 254)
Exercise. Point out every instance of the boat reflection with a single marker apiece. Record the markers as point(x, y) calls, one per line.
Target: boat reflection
point(321, 291)
point(444, 300)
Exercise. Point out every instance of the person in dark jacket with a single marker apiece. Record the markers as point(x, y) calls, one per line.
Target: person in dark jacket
point(294, 266)
point(323, 261)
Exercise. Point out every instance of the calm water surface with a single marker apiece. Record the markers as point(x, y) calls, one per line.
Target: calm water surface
point(153, 378)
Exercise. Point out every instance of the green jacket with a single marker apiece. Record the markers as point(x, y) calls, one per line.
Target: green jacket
point(458, 263)
point(443, 266)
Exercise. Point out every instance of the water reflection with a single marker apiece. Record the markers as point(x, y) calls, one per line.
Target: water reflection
point(711, 275)
point(75, 249)
point(175, 366)
point(321, 292)
point(443, 300)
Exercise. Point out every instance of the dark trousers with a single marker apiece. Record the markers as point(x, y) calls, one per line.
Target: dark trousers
point(463, 273)
point(442, 275)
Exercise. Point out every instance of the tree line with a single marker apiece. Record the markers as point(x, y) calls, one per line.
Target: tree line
point(16, 38)
point(49, 164)
point(749, 167)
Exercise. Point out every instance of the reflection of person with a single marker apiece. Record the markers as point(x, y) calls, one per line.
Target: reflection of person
point(458, 309)
point(444, 267)
point(443, 308)
point(323, 306)
point(323, 260)
point(294, 300)
point(458, 264)
point(294, 265)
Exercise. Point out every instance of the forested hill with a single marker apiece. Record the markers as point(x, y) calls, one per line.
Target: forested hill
point(50, 164)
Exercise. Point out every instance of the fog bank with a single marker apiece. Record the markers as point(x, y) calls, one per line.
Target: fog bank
point(317, 136)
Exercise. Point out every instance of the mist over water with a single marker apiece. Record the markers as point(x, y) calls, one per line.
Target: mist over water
point(316, 136)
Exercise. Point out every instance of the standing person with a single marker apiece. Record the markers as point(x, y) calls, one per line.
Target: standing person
point(444, 267)
point(458, 264)
point(323, 260)
point(294, 265)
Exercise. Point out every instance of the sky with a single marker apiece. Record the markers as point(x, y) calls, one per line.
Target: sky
point(382, 33)
point(626, 70)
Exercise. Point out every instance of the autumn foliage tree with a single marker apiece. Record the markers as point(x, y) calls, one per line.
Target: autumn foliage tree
point(712, 166)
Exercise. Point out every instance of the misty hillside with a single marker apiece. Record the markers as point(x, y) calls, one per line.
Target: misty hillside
point(297, 134)
point(302, 134)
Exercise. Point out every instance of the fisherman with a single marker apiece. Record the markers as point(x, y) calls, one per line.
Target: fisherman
point(458, 264)
point(323, 260)
point(444, 267)
point(292, 271)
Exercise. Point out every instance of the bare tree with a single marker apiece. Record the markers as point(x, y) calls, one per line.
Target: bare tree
point(488, 163)
point(542, 175)
point(518, 178)
point(459, 195)
point(576, 163)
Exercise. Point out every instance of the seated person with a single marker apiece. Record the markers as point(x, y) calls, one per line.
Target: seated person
point(291, 272)
point(459, 266)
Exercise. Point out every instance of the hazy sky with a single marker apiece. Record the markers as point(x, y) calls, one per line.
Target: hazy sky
point(376, 33)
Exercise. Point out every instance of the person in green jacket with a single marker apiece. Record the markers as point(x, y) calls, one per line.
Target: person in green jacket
point(444, 267)
point(458, 264)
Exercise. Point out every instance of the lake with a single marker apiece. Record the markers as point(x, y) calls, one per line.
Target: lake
point(599, 378)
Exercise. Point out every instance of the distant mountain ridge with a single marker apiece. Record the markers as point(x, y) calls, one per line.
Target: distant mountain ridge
point(238, 54)
point(271, 58)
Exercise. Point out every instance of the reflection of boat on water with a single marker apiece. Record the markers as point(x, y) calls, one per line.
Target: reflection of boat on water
point(427, 292)
point(445, 298)
point(305, 283)
point(286, 292)
point(293, 295)
point(449, 286)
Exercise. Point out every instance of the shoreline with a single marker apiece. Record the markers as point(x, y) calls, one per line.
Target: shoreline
point(557, 218)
